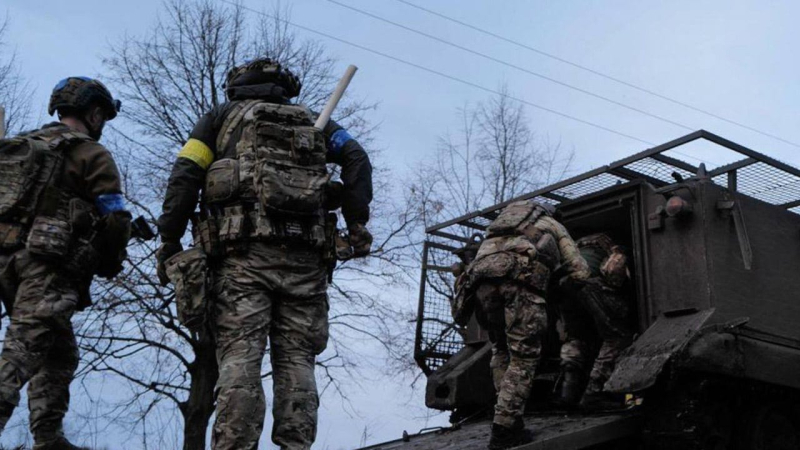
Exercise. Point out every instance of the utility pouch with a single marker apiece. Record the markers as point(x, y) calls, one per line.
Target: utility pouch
point(206, 236)
point(188, 272)
point(49, 238)
point(222, 181)
point(537, 277)
point(494, 267)
point(12, 237)
point(232, 224)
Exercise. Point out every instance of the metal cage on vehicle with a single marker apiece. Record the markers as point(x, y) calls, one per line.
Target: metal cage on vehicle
point(745, 171)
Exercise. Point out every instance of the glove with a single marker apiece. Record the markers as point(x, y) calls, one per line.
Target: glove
point(164, 252)
point(111, 242)
point(360, 239)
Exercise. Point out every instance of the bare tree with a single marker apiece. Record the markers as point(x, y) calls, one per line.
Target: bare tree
point(15, 92)
point(167, 80)
point(494, 156)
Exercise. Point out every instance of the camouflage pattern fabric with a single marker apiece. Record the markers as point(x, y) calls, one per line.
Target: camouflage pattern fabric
point(514, 310)
point(268, 293)
point(40, 345)
point(598, 316)
point(514, 358)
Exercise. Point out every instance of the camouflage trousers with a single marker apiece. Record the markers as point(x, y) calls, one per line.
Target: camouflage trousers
point(598, 326)
point(517, 318)
point(277, 295)
point(40, 346)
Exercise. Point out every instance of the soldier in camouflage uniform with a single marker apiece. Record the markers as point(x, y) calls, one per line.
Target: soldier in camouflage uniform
point(263, 225)
point(597, 321)
point(508, 281)
point(67, 225)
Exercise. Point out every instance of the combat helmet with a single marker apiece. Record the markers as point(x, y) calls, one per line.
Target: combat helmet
point(261, 78)
point(78, 93)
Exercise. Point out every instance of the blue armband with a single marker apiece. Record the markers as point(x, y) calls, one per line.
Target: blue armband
point(337, 141)
point(108, 203)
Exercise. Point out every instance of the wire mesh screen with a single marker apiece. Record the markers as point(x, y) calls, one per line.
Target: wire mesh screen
point(438, 337)
point(752, 173)
point(588, 186)
point(654, 168)
point(768, 184)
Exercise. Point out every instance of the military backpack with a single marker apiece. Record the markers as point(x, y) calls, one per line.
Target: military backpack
point(30, 198)
point(280, 159)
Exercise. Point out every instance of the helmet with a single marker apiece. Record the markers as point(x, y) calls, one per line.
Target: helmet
point(261, 77)
point(79, 93)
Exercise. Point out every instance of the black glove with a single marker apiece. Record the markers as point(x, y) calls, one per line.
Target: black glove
point(360, 239)
point(110, 243)
point(164, 252)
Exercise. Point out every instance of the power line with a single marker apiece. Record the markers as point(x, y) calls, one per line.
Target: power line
point(514, 66)
point(440, 74)
point(598, 73)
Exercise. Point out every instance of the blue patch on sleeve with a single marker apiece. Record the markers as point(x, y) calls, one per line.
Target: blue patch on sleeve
point(337, 141)
point(108, 203)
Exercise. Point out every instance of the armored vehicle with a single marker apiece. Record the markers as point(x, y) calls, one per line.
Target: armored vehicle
point(716, 268)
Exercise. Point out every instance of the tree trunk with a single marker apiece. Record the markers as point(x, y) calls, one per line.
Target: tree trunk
point(199, 407)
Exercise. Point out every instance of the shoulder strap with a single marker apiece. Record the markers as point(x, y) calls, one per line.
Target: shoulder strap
point(232, 121)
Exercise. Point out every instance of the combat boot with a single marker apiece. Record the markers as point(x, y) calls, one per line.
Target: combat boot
point(504, 437)
point(571, 388)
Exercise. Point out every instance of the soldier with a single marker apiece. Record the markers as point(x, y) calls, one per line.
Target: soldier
point(509, 280)
point(265, 189)
point(62, 220)
point(598, 315)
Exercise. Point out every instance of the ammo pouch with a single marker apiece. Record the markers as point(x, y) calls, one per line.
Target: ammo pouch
point(49, 238)
point(222, 181)
point(188, 271)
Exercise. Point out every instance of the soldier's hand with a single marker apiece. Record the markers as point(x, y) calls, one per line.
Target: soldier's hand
point(164, 252)
point(360, 239)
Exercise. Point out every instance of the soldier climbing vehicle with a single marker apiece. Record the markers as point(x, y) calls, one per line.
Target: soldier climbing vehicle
point(716, 271)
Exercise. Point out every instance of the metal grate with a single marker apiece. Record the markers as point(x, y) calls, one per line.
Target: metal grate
point(746, 171)
point(658, 170)
point(438, 337)
point(768, 184)
point(589, 185)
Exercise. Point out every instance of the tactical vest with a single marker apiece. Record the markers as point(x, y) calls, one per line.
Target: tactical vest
point(275, 186)
point(35, 211)
point(515, 250)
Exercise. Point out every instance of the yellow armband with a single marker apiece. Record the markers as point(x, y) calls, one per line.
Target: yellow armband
point(198, 152)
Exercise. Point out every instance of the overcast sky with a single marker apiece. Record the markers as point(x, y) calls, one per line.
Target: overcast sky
point(736, 59)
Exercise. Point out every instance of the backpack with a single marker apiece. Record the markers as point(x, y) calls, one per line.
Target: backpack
point(30, 166)
point(281, 156)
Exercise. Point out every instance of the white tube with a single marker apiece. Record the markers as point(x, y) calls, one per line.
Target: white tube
point(2, 122)
point(325, 116)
